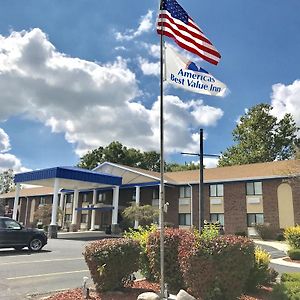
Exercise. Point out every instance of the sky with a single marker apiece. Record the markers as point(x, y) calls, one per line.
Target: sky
point(76, 75)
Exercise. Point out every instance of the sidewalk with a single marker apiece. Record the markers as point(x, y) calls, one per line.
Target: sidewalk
point(278, 251)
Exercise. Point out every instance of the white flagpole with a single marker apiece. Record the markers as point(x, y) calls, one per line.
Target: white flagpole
point(162, 188)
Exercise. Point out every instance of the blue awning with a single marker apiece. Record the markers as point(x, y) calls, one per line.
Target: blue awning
point(108, 208)
point(70, 177)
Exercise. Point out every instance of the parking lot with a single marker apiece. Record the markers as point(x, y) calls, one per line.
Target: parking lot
point(60, 265)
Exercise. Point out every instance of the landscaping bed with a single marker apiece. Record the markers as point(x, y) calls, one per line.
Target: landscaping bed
point(137, 288)
point(129, 293)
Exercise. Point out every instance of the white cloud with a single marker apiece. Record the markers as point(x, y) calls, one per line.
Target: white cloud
point(91, 104)
point(146, 24)
point(149, 68)
point(286, 99)
point(153, 49)
point(7, 160)
point(209, 162)
point(4, 141)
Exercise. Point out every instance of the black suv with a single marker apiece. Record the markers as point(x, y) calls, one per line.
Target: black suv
point(14, 235)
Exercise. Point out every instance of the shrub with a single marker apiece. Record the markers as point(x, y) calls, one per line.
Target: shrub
point(177, 243)
point(288, 290)
point(145, 214)
point(261, 274)
point(294, 254)
point(210, 231)
point(141, 235)
point(290, 277)
point(266, 231)
point(292, 235)
point(219, 268)
point(241, 233)
point(111, 261)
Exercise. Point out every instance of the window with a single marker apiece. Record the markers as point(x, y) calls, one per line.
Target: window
point(69, 198)
point(185, 219)
point(43, 201)
point(155, 193)
point(185, 192)
point(217, 218)
point(68, 218)
point(254, 219)
point(101, 196)
point(10, 224)
point(83, 218)
point(216, 190)
point(85, 197)
point(254, 188)
point(134, 195)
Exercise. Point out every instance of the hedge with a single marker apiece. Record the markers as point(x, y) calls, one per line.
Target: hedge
point(219, 268)
point(294, 254)
point(111, 261)
point(178, 242)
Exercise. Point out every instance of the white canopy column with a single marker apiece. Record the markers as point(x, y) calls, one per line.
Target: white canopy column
point(93, 211)
point(137, 203)
point(114, 221)
point(74, 214)
point(61, 200)
point(15, 209)
point(53, 225)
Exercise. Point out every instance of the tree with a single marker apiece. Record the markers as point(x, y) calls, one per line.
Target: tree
point(262, 137)
point(7, 181)
point(145, 214)
point(43, 214)
point(115, 152)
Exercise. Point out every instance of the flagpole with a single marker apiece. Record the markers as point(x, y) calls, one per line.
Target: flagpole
point(162, 188)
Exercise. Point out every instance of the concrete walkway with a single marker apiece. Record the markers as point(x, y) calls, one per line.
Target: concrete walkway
point(278, 251)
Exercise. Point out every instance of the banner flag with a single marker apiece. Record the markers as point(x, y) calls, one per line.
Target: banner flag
point(183, 73)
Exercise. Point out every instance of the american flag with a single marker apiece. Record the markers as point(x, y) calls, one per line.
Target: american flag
point(174, 22)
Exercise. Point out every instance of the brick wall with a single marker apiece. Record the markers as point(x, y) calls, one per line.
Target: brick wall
point(270, 201)
point(235, 211)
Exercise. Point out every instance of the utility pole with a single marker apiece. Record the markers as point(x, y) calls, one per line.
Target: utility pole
point(201, 155)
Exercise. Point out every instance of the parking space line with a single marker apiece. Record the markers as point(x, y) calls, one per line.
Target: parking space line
point(40, 261)
point(46, 275)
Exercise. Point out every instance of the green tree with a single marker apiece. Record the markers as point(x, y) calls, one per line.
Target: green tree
point(262, 137)
point(43, 214)
point(115, 152)
point(145, 214)
point(7, 181)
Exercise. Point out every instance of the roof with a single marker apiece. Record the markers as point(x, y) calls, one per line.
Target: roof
point(26, 192)
point(130, 175)
point(70, 177)
point(276, 169)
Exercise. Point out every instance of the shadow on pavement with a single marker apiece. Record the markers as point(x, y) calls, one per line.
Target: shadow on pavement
point(10, 252)
point(86, 236)
point(275, 253)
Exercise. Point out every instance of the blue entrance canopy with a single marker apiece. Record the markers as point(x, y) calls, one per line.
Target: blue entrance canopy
point(70, 178)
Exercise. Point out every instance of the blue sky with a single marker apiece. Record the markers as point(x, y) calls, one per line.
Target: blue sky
point(75, 75)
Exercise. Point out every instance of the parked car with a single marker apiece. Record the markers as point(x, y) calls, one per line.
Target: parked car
point(15, 235)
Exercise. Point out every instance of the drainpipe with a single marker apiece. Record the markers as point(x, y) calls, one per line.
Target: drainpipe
point(191, 204)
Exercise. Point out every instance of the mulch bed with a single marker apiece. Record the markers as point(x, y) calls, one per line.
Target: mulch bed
point(129, 293)
point(139, 287)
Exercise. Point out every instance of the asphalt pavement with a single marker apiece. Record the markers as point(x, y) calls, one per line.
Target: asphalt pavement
point(59, 266)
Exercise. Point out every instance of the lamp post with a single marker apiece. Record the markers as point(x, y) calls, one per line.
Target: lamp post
point(201, 178)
